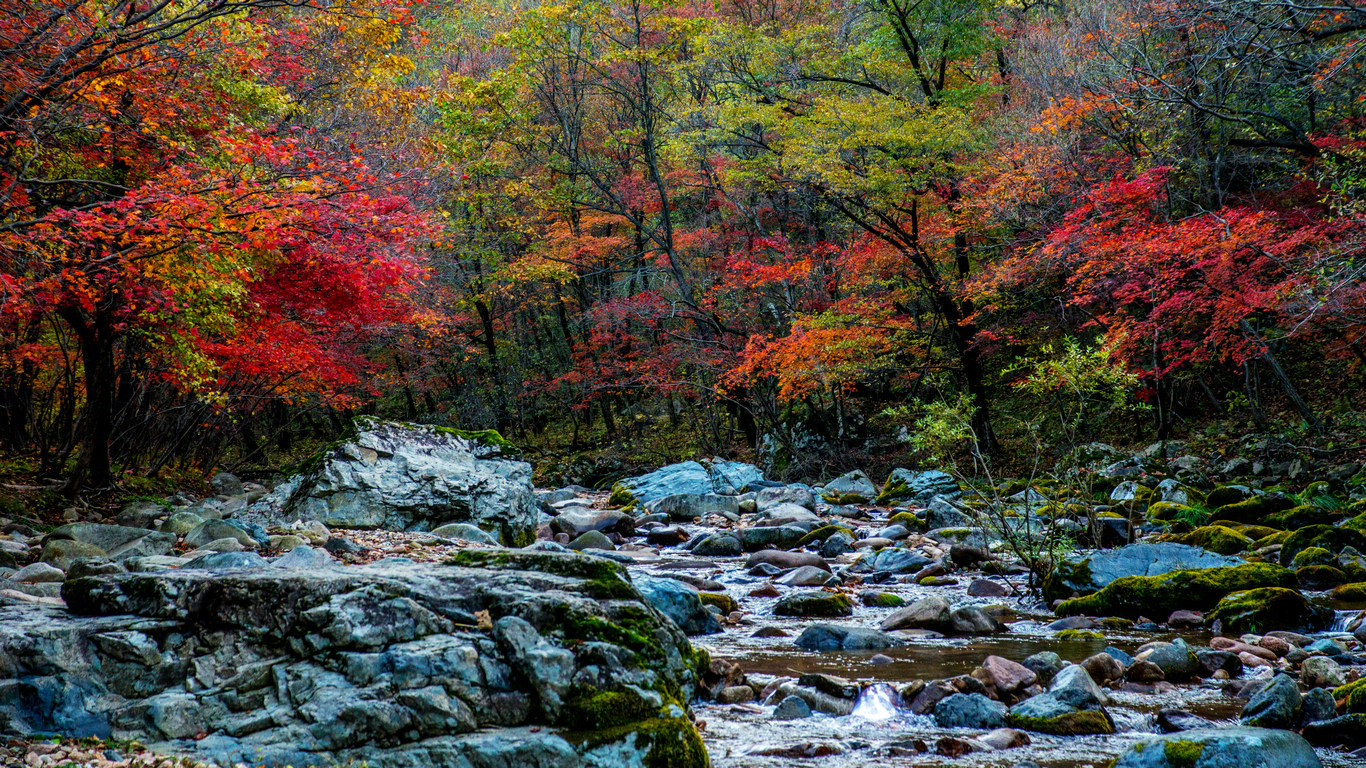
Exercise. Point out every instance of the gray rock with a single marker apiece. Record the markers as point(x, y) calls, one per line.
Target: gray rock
point(714, 476)
point(1093, 572)
point(929, 613)
point(792, 708)
point(465, 532)
point(770, 537)
point(680, 603)
point(62, 553)
point(835, 637)
point(683, 507)
point(38, 573)
point(1223, 748)
point(854, 483)
point(808, 576)
point(907, 484)
point(225, 484)
point(1318, 704)
point(969, 710)
point(140, 514)
point(181, 523)
point(719, 544)
point(1277, 704)
point(577, 522)
point(1176, 660)
point(213, 530)
point(837, 544)
point(117, 541)
point(1045, 664)
point(592, 540)
point(1073, 686)
point(890, 560)
point(941, 514)
point(389, 664)
point(781, 514)
point(410, 477)
point(220, 561)
point(769, 498)
point(1322, 672)
point(304, 557)
point(786, 560)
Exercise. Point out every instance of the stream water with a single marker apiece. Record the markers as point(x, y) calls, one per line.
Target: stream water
point(881, 733)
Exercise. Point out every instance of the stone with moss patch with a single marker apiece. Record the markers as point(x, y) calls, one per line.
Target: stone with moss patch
point(1330, 538)
point(1215, 538)
point(1081, 723)
point(1269, 608)
point(824, 532)
point(1134, 596)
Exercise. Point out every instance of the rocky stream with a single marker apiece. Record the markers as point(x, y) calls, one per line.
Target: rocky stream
point(411, 600)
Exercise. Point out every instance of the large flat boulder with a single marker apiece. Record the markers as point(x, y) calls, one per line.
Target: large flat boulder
point(405, 477)
point(713, 476)
point(502, 658)
point(1096, 570)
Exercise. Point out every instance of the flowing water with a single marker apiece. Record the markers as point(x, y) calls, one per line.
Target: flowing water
point(880, 732)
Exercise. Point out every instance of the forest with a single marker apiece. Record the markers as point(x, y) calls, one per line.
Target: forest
point(814, 235)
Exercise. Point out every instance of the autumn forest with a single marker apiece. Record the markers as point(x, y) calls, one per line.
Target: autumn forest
point(818, 235)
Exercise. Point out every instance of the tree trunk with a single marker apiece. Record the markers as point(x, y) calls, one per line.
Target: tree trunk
point(93, 465)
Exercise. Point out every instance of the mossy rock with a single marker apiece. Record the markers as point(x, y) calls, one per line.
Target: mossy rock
point(1279, 537)
point(1256, 532)
point(1225, 495)
point(893, 492)
point(1254, 510)
point(1069, 724)
point(666, 742)
point(1011, 487)
point(1117, 623)
point(1350, 593)
point(822, 533)
point(842, 499)
point(1313, 556)
point(907, 519)
point(1134, 596)
point(485, 437)
point(721, 600)
point(622, 497)
point(1320, 577)
point(815, 605)
point(1356, 523)
point(1215, 538)
point(1351, 697)
point(1304, 514)
point(1181, 753)
point(1269, 608)
point(588, 709)
point(1323, 536)
point(1079, 634)
point(885, 600)
point(604, 579)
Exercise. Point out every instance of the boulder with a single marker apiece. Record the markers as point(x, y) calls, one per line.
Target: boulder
point(499, 659)
point(1093, 572)
point(769, 498)
point(397, 476)
point(463, 532)
point(680, 603)
point(1007, 675)
point(706, 477)
point(718, 544)
point(1222, 748)
point(969, 710)
point(1268, 608)
point(1176, 660)
point(890, 560)
point(1134, 596)
point(835, 637)
point(814, 604)
point(850, 488)
point(683, 507)
point(928, 613)
point(214, 530)
point(1277, 704)
point(786, 560)
point(792, 708)
point(770, 537)
point(118, 542)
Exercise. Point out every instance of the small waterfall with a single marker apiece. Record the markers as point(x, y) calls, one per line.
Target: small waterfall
point(878, 701)
point(1342, 618)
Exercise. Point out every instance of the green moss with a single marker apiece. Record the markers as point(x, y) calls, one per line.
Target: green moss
point(1254, 510)
point(622, 497)
point(1070, 724)
point(840, 499)
point(603, 579)
point(1271, 540)
point(1182, 754)
point(886, 600)
point(1215, 538)
point(1256, 532)
point(1357, 523)
point(907, 519)
point(1350, 593)
point(1079, 634)
point(893, 492)
point(668, 742)
point(1267, 608)
point(1134, 596)
point(1304, 514)
point(826, 606)
point(590, 709)
point(1352, 696)
point(486, 437)
point(1324, 536)
point(1320, 577)
point(721, 600)
point(1225, 495)
point(822, 533)
point(1313, 556)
